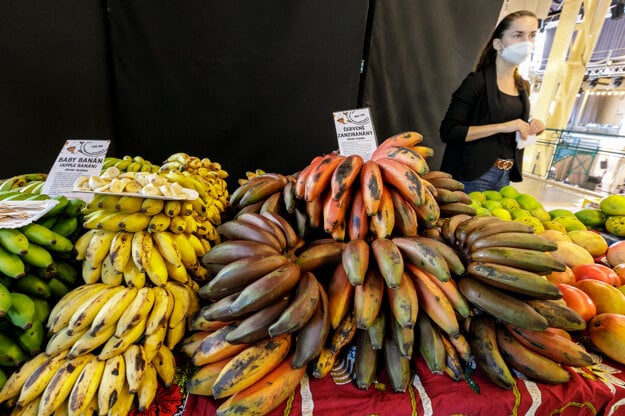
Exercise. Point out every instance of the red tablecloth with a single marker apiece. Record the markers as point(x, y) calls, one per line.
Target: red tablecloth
point(431, 394)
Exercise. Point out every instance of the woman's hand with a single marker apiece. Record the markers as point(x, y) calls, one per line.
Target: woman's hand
point(519, 125)
point(536, 126)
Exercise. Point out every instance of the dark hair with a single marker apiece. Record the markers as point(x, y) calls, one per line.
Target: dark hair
point(489, 54)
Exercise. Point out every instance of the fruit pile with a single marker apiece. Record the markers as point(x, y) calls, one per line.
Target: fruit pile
point(385, 255)
point(36, 270)
point(111, 339)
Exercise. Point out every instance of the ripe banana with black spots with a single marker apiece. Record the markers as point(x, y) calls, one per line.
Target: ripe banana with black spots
point(312, 336)
point(514, 279)
point(483, 336)
point(234, 276)
point(423, 256)
point(560, 349)
point(265, 290)
point(355, 260)
point(301, 307)
point(533, 365)
point(389, 260)
point(501, 305)
point(522, 258)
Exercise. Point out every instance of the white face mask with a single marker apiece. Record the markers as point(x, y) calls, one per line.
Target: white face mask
point(517, 52)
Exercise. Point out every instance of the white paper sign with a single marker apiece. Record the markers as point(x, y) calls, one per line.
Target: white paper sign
point(355, 132)
point(77, 158)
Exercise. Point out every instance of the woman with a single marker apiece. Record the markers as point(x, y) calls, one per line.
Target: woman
point(490, 109)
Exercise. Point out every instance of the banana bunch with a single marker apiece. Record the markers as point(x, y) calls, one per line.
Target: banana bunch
point(136, 183)
point(25, 182)
point(23, 313)
point(144, 246)
point(396, 295)
point(129, 163)
point(204, 176)
point(523, 323)
point(109, 349)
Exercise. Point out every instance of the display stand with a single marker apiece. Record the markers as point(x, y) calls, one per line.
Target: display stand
point(432, 394)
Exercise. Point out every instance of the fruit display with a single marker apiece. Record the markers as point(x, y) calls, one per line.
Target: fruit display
point(387, 257)
point(36, 270)
point(385, 261)
point(110, 341)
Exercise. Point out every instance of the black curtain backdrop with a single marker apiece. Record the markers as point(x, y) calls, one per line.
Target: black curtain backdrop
point(55, 80)
point(420, 52)
point(248, 84)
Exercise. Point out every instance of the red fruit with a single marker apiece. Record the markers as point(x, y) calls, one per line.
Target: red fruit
point(578, 300)
point(596, 271)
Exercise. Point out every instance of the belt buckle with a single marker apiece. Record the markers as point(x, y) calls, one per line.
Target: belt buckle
point(504, 164)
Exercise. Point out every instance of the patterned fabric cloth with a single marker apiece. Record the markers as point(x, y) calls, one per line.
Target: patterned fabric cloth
point(592, 391)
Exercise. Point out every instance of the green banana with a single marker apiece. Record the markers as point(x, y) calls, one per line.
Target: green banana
point(66, 272)
point(31, 284)
point(38, 256)
point(42, 309)
point(59, 207)
point(47, 222)
point(11, 264)
point(74, 207)
point(22, 310)
point(58, 287)
point(5, 300)
point(31, 339)
point(45, 237)
point(13, 240)
point(65, 226)
point(11, 354)
point(39, 234)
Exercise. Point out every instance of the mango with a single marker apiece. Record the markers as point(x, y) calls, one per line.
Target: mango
point(591, 217)
point(552, 225)
point(509, 203)
point(613, 205)
point(571, 254)
point(528, 202)
point(520, 212)
point(477, 195)
point(555, 235)
point(491, 204)
point(570, 223)
point(492, 195)
point(607, 333)
point(533, 222)
point(606, 297)
point(616, 225)
point(561, 212)
point(616, 253)
point(502, 213)
point(482, 212)
point(509, 191)
point(541, 214)
point(591, 241)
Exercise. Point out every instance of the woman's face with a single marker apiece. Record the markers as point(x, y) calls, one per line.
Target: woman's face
point(522, 29)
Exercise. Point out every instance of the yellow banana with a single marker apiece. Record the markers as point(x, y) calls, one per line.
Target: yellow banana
point(135, 360)
point(112, 382)
point(111, 311)
point(164, 363)
point(60, 385)
point(86, 386)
